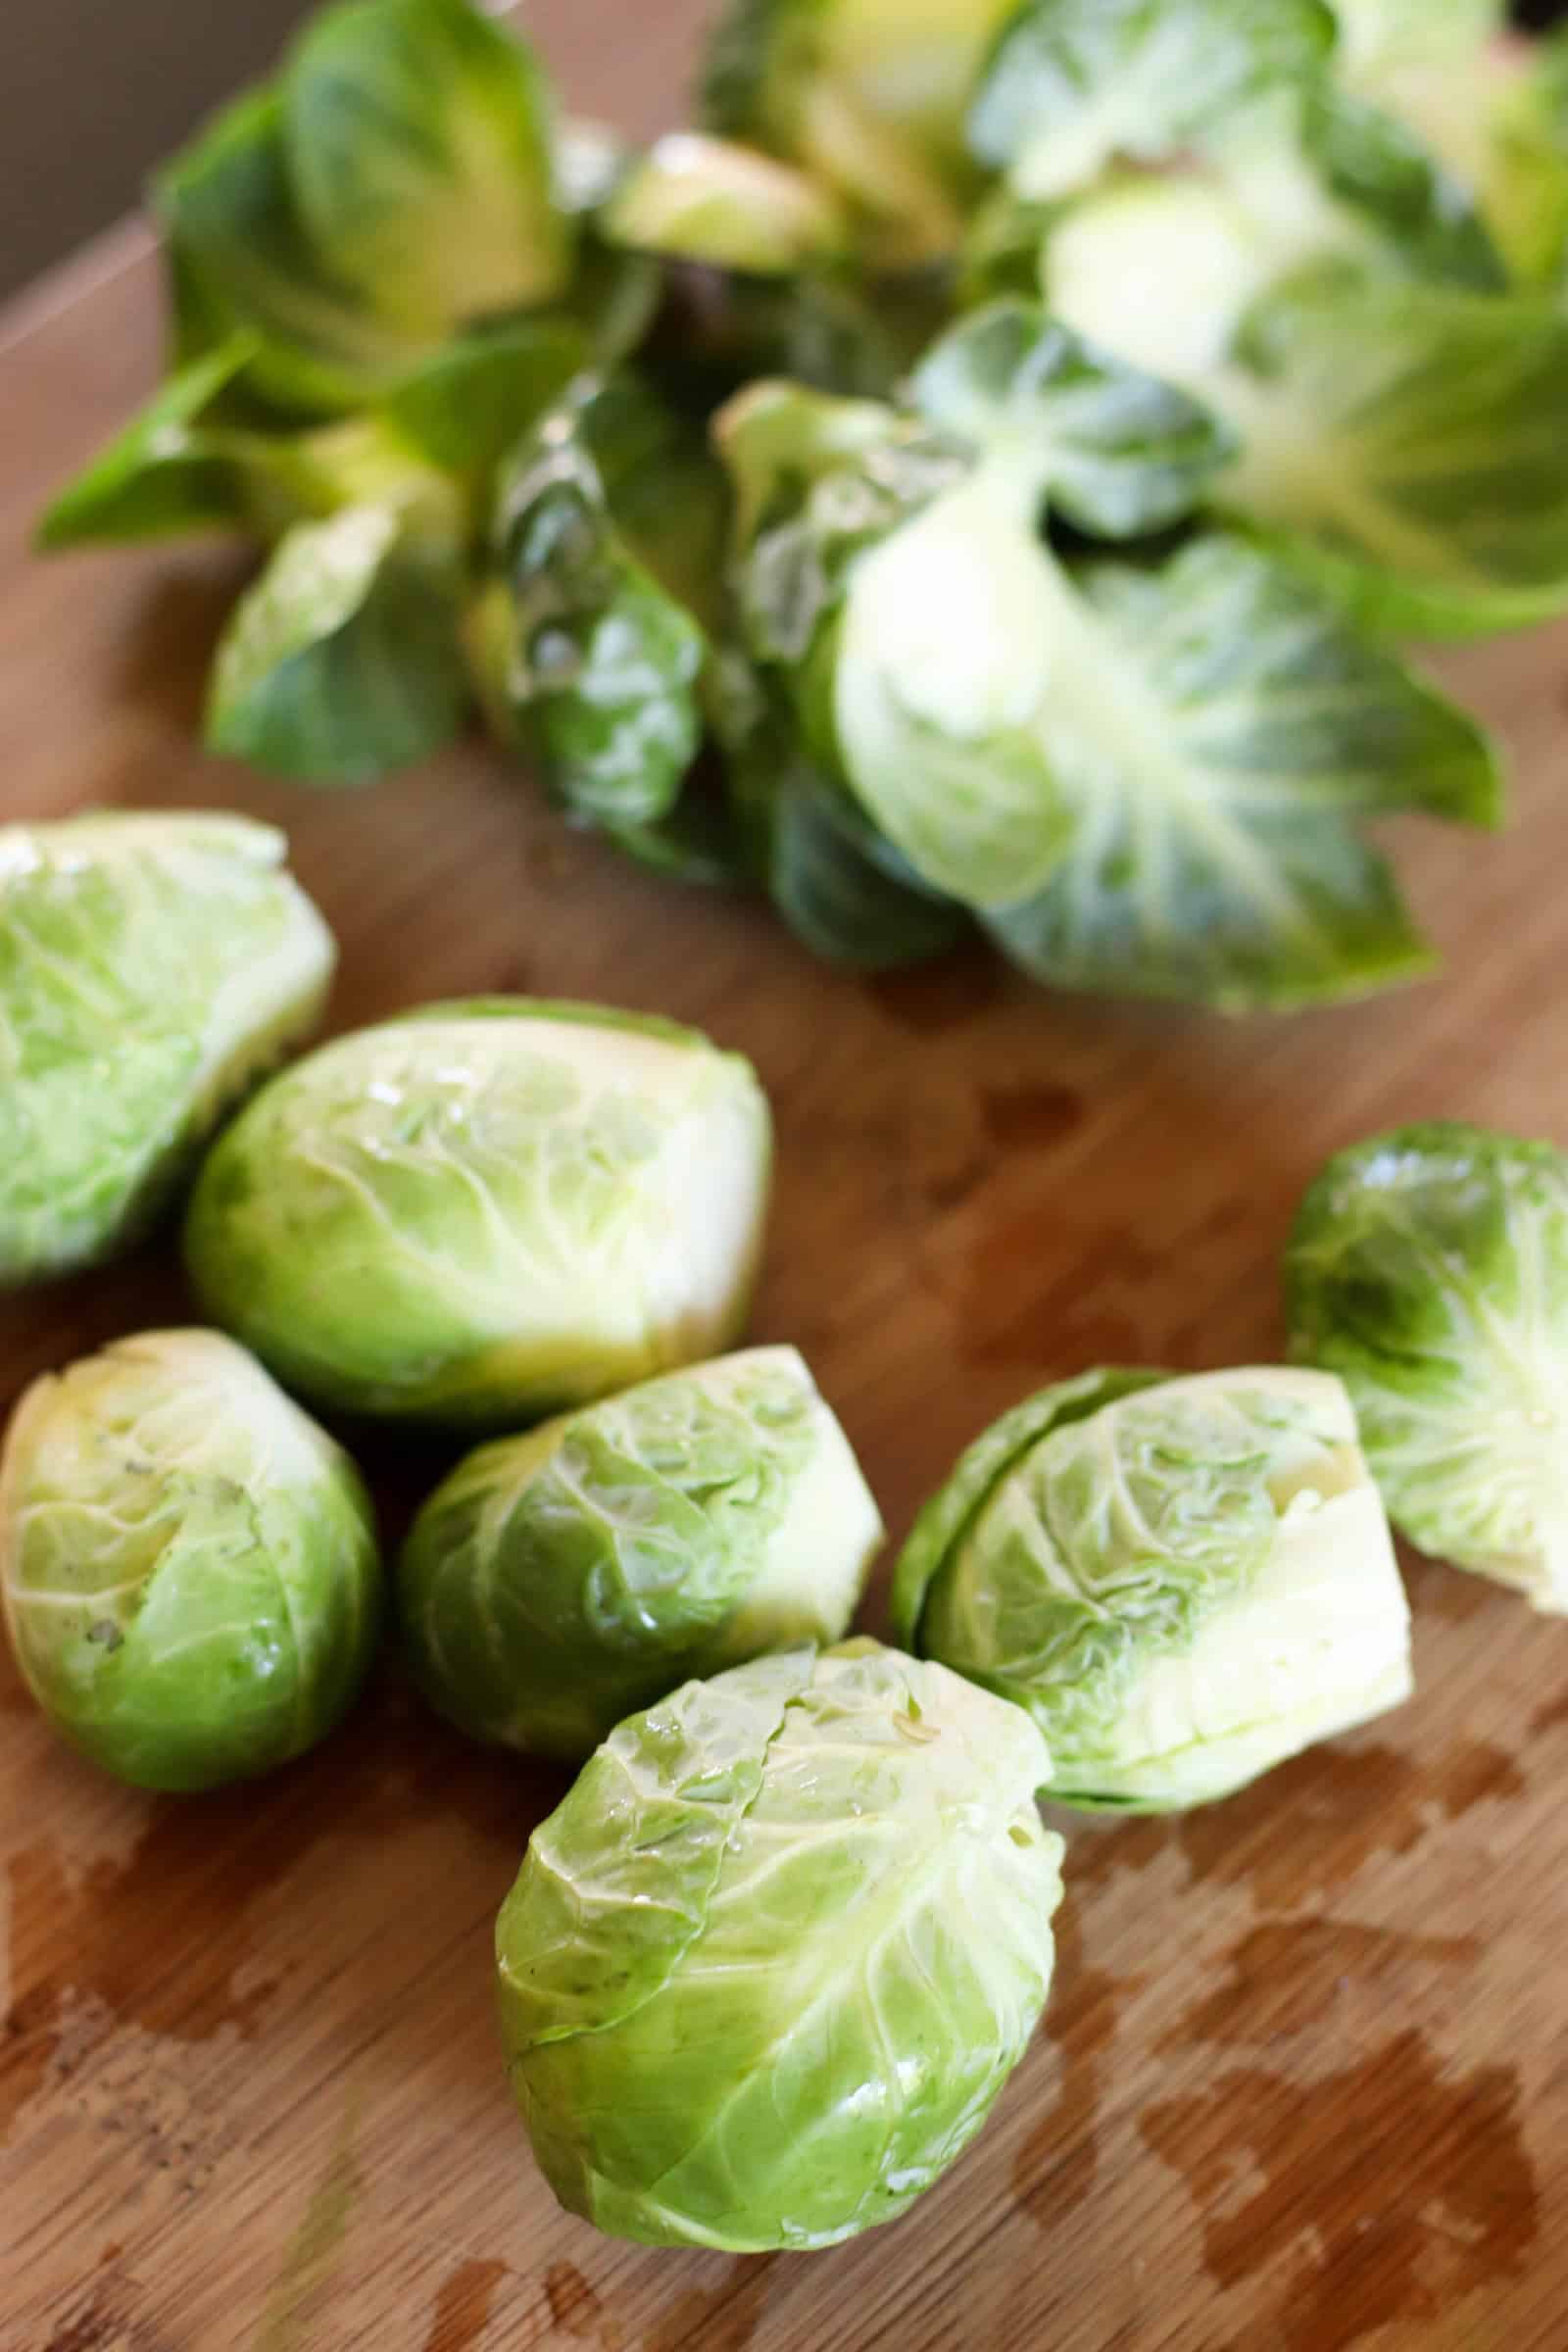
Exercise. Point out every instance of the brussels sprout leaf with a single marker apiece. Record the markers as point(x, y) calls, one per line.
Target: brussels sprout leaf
point(419, 147)
point(342, 663)
point(1217, 730)
point(1075, 84)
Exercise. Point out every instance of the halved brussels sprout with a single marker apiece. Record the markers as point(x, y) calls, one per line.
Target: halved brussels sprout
point(188, 1565)
point(558, 1581)
point(766, 1968)
point(1429, 1269)
point(488, 1209)
point(1184, 1581)
point(150, 967)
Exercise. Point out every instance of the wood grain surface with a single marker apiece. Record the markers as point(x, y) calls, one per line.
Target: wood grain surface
point(1303, 2081)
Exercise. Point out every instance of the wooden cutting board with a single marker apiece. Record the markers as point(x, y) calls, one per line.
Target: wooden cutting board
point(1303, 2081)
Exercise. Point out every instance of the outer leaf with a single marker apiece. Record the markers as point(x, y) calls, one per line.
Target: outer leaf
point(946, 1518)
point(1429, 1268)
point(243, 262)
point(1400, 436)
point(342, 663)
point(488, 1212)
point(421, 149)
point(465, 408)
point(699, 199)
point(163, 473)
point(587, 652)
point(869, 95)
point(188, 1566)
point(859, 1949)
point(557, 1581)
point(1075, 84)
point(151, 967)
point(1426, 220)
point(1403, 442)
point(843, 890)
point(1219, 731)
point(1116, 452)
point(1499, 118)
point(1183, 1583)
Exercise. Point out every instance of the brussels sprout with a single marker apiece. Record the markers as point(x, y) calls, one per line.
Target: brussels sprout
point(188, 1564)
point(487, 1209)
point(869, 95)
point(558, 1581)
point(1429, 1269)
point(1184, 1581)
point(150, 967)
point(766, 1968)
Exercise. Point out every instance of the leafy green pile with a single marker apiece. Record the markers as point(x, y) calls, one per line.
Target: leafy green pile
point(1006, 438)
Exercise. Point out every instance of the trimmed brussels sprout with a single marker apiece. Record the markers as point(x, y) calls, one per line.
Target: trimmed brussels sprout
point(486, 1210)
point(558, 1581)
point(1429, 1269)
point(766, 1970)
point(869, 95)
point(151, 966)
point(1146, 774)
point(188, 1565)
point(1184, 1581)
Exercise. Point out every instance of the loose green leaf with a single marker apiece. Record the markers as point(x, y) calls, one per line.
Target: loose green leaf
point(1183, 1581)
point(243, 262)
point(1115, 452)
point(151, 967)
point(1429, 1269)
point(1073, 85)
point(342, 663)
point(766, 1968)
point(844, 891)
point(866, 95)
point(188, 1567)
point(1219, 731)
point(587, 654)
point(463, 408)
point(163, 474)
point(699, 199)
point(420, 150)
point(1401, 438)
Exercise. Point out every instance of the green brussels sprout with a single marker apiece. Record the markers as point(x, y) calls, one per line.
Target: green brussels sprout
point(188, 1565)
point(1184, 1581)
point(487, 1210)
point(559, 1580)
point(1429, 1269)
point(766, 1968)
point(150, 967)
